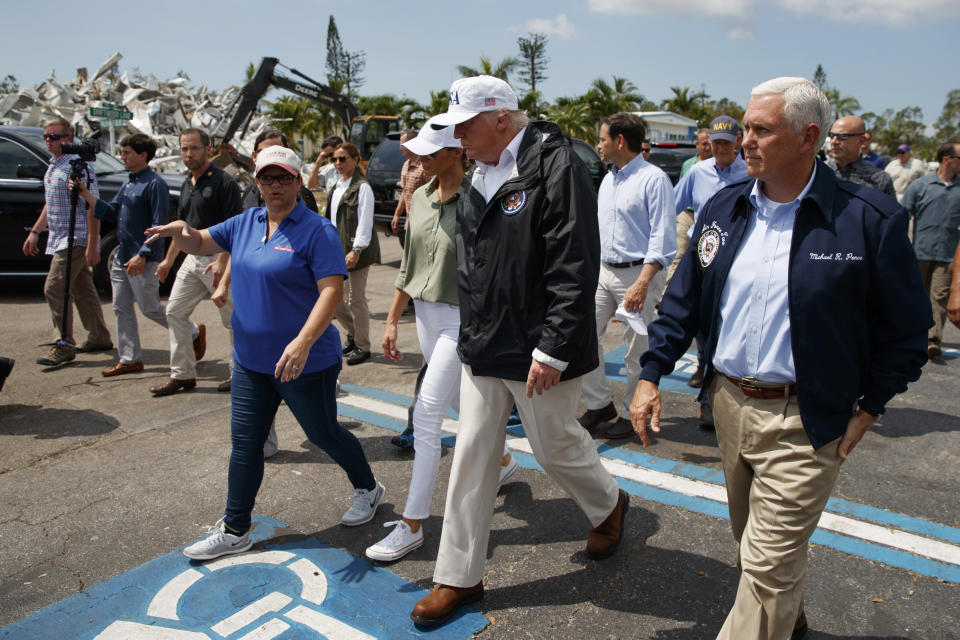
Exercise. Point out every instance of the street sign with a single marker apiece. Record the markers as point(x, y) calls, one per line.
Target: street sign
point(111, 113)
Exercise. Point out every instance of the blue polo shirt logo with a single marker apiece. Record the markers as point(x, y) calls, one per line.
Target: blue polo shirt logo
point(708, 246)
point(513, 202)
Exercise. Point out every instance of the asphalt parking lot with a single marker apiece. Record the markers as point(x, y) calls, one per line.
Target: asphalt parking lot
point(101, 485)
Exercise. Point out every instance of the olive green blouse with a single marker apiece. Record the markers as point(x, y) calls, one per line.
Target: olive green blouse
point(428, 270)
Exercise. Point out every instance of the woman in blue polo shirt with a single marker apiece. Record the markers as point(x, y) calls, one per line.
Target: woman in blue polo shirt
point(287, 276)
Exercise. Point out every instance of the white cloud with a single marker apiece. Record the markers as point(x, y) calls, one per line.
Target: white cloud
point(740, 33)
point(688, 8)
point(892, 13)
point(559, 27)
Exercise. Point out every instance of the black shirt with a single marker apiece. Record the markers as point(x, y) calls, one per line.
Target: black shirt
point(214, 198)
point(251, 198)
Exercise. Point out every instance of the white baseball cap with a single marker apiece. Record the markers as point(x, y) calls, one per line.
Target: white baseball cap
point(278, 156)
point(470, 96)
point(431, 140)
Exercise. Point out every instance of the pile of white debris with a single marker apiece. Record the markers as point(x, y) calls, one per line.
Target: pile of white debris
point(160, 108)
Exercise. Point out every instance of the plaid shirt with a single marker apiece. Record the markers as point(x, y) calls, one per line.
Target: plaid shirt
point(412, 177)
point(863, 173)
point(56, 185)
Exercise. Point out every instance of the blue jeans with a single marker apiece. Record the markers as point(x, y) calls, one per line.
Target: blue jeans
point(254, 399)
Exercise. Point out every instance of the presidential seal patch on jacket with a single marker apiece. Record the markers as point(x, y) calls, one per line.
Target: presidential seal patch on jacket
point(708, 246)
point(513, 202)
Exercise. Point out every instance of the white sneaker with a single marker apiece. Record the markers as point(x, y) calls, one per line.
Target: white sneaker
point(365, 503)
point(507, 471)
point(397, 544)
point(218, 543)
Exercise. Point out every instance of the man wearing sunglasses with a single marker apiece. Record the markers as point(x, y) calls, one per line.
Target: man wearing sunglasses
point(846, 138)
point(324, 173)
point(209, 196)
point(934, 203)
point(55, 217)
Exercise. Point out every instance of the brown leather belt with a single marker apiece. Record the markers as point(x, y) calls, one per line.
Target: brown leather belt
point(624, 265)
point(753, 388)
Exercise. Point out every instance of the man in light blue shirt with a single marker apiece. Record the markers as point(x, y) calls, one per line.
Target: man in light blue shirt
point(692, 192)
point(638, 228)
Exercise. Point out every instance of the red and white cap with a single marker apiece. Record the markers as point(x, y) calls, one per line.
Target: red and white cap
point(431, 140)
point(277, 156)
point(470, 96)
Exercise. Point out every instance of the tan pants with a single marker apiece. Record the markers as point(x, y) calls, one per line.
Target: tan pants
point(936, 280)
point(353, 312)
point(684, 222)
point(191, 287)
point(562, 447)
point(83, 293)
point(777, 487)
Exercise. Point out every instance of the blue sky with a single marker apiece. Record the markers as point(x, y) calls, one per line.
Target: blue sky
point(886, 53)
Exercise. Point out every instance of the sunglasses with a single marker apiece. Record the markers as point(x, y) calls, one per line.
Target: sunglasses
point(53, 136)
point(339, 159)
point(646, 149)
point(845, 136)
point(267, 180)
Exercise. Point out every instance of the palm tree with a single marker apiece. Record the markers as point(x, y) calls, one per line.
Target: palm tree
point(686, 104)
point(295, 118)
point(574, 117)
point(842, 105)
point(487, 68)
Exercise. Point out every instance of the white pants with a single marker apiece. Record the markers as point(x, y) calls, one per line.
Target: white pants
point(191, 287)
point(144, 290)
point(564, 450)
point(438, 326)
point(612, 287)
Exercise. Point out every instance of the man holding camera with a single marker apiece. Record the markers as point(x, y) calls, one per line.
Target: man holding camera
point(142, 202)
point(55, 216)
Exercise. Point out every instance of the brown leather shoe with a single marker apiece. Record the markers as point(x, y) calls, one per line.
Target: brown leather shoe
point(799, 627)
point(118, 368)
point(603, 540)
point(437, 606)
point(173, 385)
point(200, 343)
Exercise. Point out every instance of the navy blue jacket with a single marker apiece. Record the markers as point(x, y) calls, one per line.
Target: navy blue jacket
point(858, 310)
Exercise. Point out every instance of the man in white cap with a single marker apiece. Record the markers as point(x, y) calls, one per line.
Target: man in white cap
point(527, 266)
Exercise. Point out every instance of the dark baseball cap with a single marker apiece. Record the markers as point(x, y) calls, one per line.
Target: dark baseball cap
point(724, 128)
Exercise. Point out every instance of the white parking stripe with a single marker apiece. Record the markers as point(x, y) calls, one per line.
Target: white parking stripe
point(887, 536)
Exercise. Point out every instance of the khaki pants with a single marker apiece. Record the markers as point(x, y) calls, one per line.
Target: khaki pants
point(684, 222)
point(353, 312)
point(777, 487)
point(611, 289)
point(563, 448)
point(936, 280)
point(191, 287)
point(83, 293)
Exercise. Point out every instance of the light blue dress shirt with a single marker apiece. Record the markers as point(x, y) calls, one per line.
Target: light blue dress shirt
point(703, 180)
point(754, 337)
point(637, 215)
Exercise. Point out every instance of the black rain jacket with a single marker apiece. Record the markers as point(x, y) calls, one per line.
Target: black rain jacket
point(528, 264)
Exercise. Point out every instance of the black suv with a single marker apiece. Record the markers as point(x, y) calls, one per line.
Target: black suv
point(23, 163)
point(383, 175)
point(670, 156)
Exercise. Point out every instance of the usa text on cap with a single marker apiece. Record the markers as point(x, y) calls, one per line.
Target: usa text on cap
point(470, 96)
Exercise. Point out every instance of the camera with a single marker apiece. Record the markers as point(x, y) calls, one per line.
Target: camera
point(86, 148)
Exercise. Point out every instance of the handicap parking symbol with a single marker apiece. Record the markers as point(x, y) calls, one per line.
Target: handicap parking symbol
point(294, 590)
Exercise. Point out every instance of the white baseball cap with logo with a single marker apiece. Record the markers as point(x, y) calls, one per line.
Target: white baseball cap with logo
point(471, 96)
point(278, 156)
point(431, 140)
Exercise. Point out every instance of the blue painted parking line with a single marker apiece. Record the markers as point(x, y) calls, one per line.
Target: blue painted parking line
point(911, 543)
point(296, 590)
